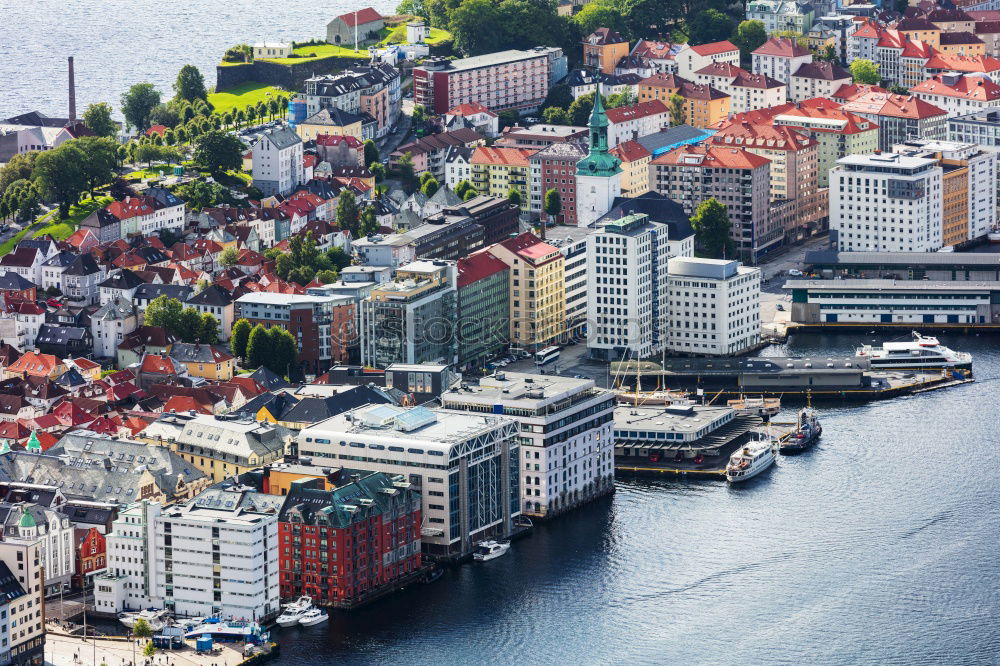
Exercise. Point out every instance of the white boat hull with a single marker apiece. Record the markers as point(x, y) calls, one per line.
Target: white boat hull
point(290, 622)
point(319, 619)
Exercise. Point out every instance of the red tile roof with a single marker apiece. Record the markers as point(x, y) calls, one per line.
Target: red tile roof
point(715, 157)
point(654, 50)
point(819, 107)
point(718, 68)
point(959, 63)
point(528, 246)
point(630, 151)
point(715, 48)
point(336, 140)
point(470, 109)
point(498, 155)
point(636, 111)
point(978, 88)
point(156, 364)
point(671, 81)
point(849, 91)
point(762, 136)
point(131, 207)
point(36, 365)
point(478, 266)
point(183, 403)
point(893, 106)
point(781, 46)
point(362, 16)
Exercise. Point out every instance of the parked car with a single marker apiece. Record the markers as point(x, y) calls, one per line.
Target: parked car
point(779, 306)
point(794, 272)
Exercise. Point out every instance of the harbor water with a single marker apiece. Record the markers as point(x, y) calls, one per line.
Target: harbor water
point(117, 43)
point(877, 546)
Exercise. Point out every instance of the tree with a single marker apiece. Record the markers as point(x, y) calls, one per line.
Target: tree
point(474, 26)
point(169, 138)
point(514, 196)
point(100, 156)
point(430, 187)
point(137, 103)
point(164, 114)
point(19, 167)
point(897, 89)
point(828, 53)
point(257, 347)
point(283, 351)
point(327, 276)
point(229, 256)
point(748, 37)
point(208, 333)
point(580, 110)
point(371, 153)
point(598, 14)
point(462, 188)
point(165, 312)
point(97, 118)
point(60, 176)
point(149, 650)
point(348, 212)
point(407, 173)
point(553, 204)
point(554, 115)
point(251, 115)
point(378, 171)
point(678, 110)
point(559, 95)
point(709, 25)
point(239, 338)
point(338, 257)
point(865, 71)
point(711, 227)
point(219, 151)
point(369, 221)
point(471, 193)
point(508, 118)
point(419, 114)
point(141, 629)
point(190, 84)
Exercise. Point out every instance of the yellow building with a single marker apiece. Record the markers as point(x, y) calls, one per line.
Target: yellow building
point(955, 202)
point(635, 167)
point(920, 29)
point(603, 49)
point(495, 170)
point(704, 105)
point(204, 361)
point(962, 43)
point(661, 87)
point(537, 289)
point(330, 121)
point(219, 446)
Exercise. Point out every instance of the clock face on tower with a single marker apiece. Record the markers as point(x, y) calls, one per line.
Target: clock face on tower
point(593, 166)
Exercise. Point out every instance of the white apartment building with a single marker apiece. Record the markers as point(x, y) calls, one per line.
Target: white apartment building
point(626, 123)
point(28, 523)
point(277, 162)
point(22, 621)
point(627, 295)
point(567, 451)
point(466, 467)
point(690, 59)
point(817, 79)
point(572, 244)
point(780, 57)
point(217, 555)
point(110, 324)
point(129, 581)
point(714, 306)
point(886, 203)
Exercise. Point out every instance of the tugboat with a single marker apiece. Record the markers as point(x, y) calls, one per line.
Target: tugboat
point(751, 460)
point(806, 433)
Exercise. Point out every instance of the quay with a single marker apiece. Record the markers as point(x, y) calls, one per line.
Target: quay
point(62, 649)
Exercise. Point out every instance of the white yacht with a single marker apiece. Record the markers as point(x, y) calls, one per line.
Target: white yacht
point(294, 612)
point(313, 616)
point(155, 618)
point(751, 459)
point(489, 550)
point(923, 351)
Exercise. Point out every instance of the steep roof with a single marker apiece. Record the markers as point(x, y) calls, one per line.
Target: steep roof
point(663, 80)
point(822, 70)
point(630, 151)
point(978, 88)
point(785, 47)
point(895, 106)
point(715, 157)
point(714, 48)
point(603, 37)
point(360, 17)
point(762, 136)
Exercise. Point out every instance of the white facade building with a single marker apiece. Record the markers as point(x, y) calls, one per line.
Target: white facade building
point(217, 555)
point(714, 306)
point(467, 468)
point(627, 295)
point(567, 450)
point(27, 523)
point(129, 582)
point(886, 203)
point(277, 162)
point(110, 324)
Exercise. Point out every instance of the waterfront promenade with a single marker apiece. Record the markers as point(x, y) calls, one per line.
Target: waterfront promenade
point(65, 650)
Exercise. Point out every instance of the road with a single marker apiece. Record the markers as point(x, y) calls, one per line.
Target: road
point(572, 361)
point(791, 258)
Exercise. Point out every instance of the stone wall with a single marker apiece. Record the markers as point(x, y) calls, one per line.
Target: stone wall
point(289, 77)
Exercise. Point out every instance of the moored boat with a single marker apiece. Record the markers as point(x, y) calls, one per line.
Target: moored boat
point(923, 351)
point(233, 630)
point(294, 611)
point(807, 431)
point(751, 459)
point(154, 617)
point(762, 407)
point(490, 550)
point(313, 616)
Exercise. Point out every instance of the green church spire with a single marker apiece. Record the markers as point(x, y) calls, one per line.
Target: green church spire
point(598, 162)
point(34, 445)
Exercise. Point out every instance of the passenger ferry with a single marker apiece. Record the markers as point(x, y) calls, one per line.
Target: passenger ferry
point(229, 630)
point(751, 460)
point(922, 351)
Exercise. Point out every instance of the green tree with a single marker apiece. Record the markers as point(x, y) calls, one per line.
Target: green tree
point(711, 228)
point(474, 27)
point(19, 167)
point(897, 89)
point(514, 196)
point(407, 173)
point(302, 275)
point(227, 118)
point(181, 134)
point(580, 110)
point(554, 115)
point(865, 71)
point(165, 312)
point(371, 153)
point(328, 276)
point(559, 95)
point(137, 103)
point(378, 171)
point(190, 84)
point(678, 110)
point(97, 118)
point(508, 118)
point(624, 98)
point(338, 257)
point(283, 265)
point(156, 139)
point(149, 650)
point(283, 351)
point(251, 115)
point(471, 193)
point(229, 256)
point(219, 151)
point(748, 37)
point(430, 187)
point(60, 175)
point(419, 115)
point(257, 347)
point(348, 213)
point(164, 114)
point(208, 333)
point(552, 204)
point(100, 157)
point(141, 629)
point(239, 338)
point(200, 195)
point(169, 137)
point(828, 53)
point(369, 221)
point(709, 25)
point(462, 187)
point(598, 14)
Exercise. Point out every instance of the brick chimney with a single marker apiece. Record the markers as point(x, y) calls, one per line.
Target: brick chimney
point(72, 91)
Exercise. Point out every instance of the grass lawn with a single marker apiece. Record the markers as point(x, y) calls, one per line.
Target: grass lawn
point(224, 63)
point(63, 229)
point(397, 35)
point(243, 96)
point(157, 171)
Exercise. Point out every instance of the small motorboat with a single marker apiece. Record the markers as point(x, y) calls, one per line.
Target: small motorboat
point(313, 616)
point(294, 612)
point(155, 618)
point(433, 575)
point(490, 550)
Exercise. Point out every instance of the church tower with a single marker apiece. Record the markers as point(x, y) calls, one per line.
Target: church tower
point(598, 175)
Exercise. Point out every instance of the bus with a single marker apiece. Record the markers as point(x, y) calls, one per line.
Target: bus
point(546, 355)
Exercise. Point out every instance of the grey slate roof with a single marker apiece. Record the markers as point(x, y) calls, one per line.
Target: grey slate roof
point(50, 334)
point(83, 264)
point(213, 295)
point(268, 379)
point(314, 410)
point(11, 281)
point(281, 138)
point(123, 279)
point(151, 291)
point(115, 309)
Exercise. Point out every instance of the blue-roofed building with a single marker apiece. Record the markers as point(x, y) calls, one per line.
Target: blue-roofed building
point(668, 139)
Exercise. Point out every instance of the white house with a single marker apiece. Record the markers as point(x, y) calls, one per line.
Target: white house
point(692, 58)
point(817, 79)
point(129, 582)
point(110, 324)
point(780, 57)
point(627, 123)
point(277, 161)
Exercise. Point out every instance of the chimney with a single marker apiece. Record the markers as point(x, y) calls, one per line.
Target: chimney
point(72, 91)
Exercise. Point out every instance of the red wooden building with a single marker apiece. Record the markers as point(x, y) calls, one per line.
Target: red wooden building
point(91, 554)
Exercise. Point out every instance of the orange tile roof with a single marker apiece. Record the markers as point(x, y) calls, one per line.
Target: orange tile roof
point(154, 363)
point(470, 109)
point(529, 246)
point(763, 136)
point(784, 47)
point(893, 106)
point(869, 30)
point(715, 48)
point(630, 151)
point(960, 63)
point(715, 157)
point(131, 207)
point(849, 91)
point(37, 365)
point(718, 68)
point(978, 88)
point(184, 403)
point(820, 107)
point(497, 155)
